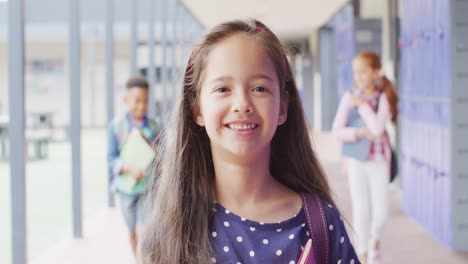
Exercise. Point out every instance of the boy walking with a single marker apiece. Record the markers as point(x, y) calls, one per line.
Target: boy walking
point(136, 99)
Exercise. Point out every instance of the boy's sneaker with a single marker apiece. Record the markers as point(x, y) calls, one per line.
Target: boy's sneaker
point(374, 257)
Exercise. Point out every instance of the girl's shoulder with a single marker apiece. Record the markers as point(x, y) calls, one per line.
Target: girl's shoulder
point(347, 94)
point(333, 218)
point(346, 98)
point(383, 96)
point(332, 213)
point(341, 248)
point(339, 244)
point(330, 210)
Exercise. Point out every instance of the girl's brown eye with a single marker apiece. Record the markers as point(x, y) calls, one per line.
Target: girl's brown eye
point(260, 89)
point(222, 90)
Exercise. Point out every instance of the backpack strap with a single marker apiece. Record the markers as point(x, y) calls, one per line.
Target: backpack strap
point(121, 129)
point(317, 223)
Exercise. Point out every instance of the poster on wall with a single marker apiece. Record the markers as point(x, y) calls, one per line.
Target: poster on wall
point(43, 76)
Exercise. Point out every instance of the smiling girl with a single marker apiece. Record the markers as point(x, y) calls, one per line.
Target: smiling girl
point(238, 172)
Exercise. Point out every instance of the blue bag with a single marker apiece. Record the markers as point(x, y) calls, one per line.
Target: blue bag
point(359, 149)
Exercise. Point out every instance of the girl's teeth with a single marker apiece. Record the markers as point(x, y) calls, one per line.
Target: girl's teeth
point(242, 127)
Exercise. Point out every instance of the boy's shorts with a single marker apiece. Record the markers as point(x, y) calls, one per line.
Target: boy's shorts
point(131, 209)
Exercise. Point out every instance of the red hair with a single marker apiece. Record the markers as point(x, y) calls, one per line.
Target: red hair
point(383, 84)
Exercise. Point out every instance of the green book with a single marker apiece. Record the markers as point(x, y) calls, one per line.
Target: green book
point(136, 152)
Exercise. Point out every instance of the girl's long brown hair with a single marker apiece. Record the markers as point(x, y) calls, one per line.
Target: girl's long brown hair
point(180, 200)
point(383, 84)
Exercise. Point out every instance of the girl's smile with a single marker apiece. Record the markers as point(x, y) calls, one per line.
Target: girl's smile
point(242, 128)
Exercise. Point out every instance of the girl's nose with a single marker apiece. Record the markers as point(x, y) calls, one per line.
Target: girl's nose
point(242, 103)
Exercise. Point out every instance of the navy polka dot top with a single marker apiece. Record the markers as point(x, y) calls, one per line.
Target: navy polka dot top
point(238, 240)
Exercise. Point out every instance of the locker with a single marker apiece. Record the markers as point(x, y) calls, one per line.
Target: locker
point(428, 62)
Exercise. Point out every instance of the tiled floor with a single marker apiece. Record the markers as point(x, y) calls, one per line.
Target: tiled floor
point(105, 241)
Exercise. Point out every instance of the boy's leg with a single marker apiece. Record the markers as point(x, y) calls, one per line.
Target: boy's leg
point(129, 210)
point(134, 242)
point(138, 220)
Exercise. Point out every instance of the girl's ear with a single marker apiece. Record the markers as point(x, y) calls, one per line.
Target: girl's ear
point(283, 114)
point(198, 116)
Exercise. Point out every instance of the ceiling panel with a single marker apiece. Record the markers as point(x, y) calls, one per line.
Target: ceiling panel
point(291, 18)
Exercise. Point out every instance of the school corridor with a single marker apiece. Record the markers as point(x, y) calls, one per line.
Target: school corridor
point(63, 72)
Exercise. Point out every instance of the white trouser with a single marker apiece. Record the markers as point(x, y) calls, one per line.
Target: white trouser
point(368, 184)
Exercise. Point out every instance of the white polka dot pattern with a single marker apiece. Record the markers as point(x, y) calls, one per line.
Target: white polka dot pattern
point(236, 239)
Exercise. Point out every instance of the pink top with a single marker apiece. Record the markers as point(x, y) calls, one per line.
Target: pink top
point(375, 121)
